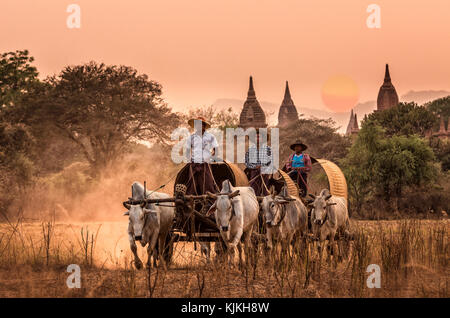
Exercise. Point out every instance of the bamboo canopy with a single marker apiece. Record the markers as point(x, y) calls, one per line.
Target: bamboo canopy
point(336, 178)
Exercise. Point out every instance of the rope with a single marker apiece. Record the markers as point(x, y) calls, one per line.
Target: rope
point(264, 184)
point(262, 181)
point(299, 175)
point(160, 187)
point(191, 178)
point(212, 176)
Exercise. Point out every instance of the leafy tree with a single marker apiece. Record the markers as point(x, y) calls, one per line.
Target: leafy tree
point(440, 107)
point(218, 118)
point(405, 119)
point(441, 148)
point(379, 166)
point(320, 135)
point(15, 166)
point(17, 75)
point(101, 109)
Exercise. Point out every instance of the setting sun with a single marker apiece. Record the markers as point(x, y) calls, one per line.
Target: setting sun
point(340, 93)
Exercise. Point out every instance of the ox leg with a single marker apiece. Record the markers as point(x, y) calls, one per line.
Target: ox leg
point(236, 241)
point(269, 239)
point(269, 245)
point(333, 248)
point(133, 247)
point(321, 246)
point(248, 245)
point(340, 249)
point(205, 248)
point(151, 250)
point(239, 248)
point(231, 253)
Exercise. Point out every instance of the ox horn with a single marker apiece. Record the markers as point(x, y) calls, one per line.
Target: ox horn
point(312, 196)
point(211, 195)
point(126, 205)
point(232, 195)
point(272, 190)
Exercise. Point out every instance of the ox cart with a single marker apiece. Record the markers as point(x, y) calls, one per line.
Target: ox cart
point(192, 224)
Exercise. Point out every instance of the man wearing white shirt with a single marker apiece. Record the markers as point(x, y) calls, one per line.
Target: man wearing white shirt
point(200, 147)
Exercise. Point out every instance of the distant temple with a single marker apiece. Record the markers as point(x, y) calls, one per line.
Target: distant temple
point(352, 127)
point(387, 96)
point(252, 114)
point(287, 113)
point(443, 132)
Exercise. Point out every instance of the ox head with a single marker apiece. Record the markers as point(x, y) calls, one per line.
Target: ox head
point(223, 206)
point(137, 215)
point(272, 207)
point(320, 207)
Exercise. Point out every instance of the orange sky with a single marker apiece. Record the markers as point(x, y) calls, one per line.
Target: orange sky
point(201, 50)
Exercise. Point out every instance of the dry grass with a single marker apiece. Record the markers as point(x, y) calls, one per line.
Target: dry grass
point(413, 256)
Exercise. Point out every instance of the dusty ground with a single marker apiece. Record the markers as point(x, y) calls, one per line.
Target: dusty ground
point(28, 269)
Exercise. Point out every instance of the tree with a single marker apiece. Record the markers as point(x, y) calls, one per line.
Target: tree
point(440, 107)
point(16, 76)
point(101, 109)
point(381, 167)
point(320, 135)
point(405, 119)
point(15, 166)
point(225, 118)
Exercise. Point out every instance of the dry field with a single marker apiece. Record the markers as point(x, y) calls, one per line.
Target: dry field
point(413, 257)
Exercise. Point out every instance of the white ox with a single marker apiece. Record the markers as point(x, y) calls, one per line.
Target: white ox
point(329, 215)
point(285, 217)
point(148, 223)
point(236, 211)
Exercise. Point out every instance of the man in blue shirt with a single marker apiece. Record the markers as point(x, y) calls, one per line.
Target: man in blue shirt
point(298, 166)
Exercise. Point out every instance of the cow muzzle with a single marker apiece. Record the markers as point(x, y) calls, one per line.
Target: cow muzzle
point(318, 222)
point(138, 237)
point(225, 228)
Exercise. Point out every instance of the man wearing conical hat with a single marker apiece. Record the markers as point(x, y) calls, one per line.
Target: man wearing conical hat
point(299, 165)
point(200, 148)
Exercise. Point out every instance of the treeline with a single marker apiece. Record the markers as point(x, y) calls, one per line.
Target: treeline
point(91, 114)
point(394, 168)
point(65, 137)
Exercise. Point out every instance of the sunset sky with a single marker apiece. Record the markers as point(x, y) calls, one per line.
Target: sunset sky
point(202, 50)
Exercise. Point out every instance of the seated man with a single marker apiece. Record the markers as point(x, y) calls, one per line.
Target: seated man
point(298, 166)
point(200, 146)
point(258, 161)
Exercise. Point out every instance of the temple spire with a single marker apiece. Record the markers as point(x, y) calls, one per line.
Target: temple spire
point(287, 93)
point(251, 91)
point(355, 124)
point(387, 95)
point(288, 112)
point(387, 76)
point(252, 115)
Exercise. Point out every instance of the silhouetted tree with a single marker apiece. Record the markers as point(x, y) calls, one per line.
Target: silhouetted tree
point(405, 119)
point(101, 109)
